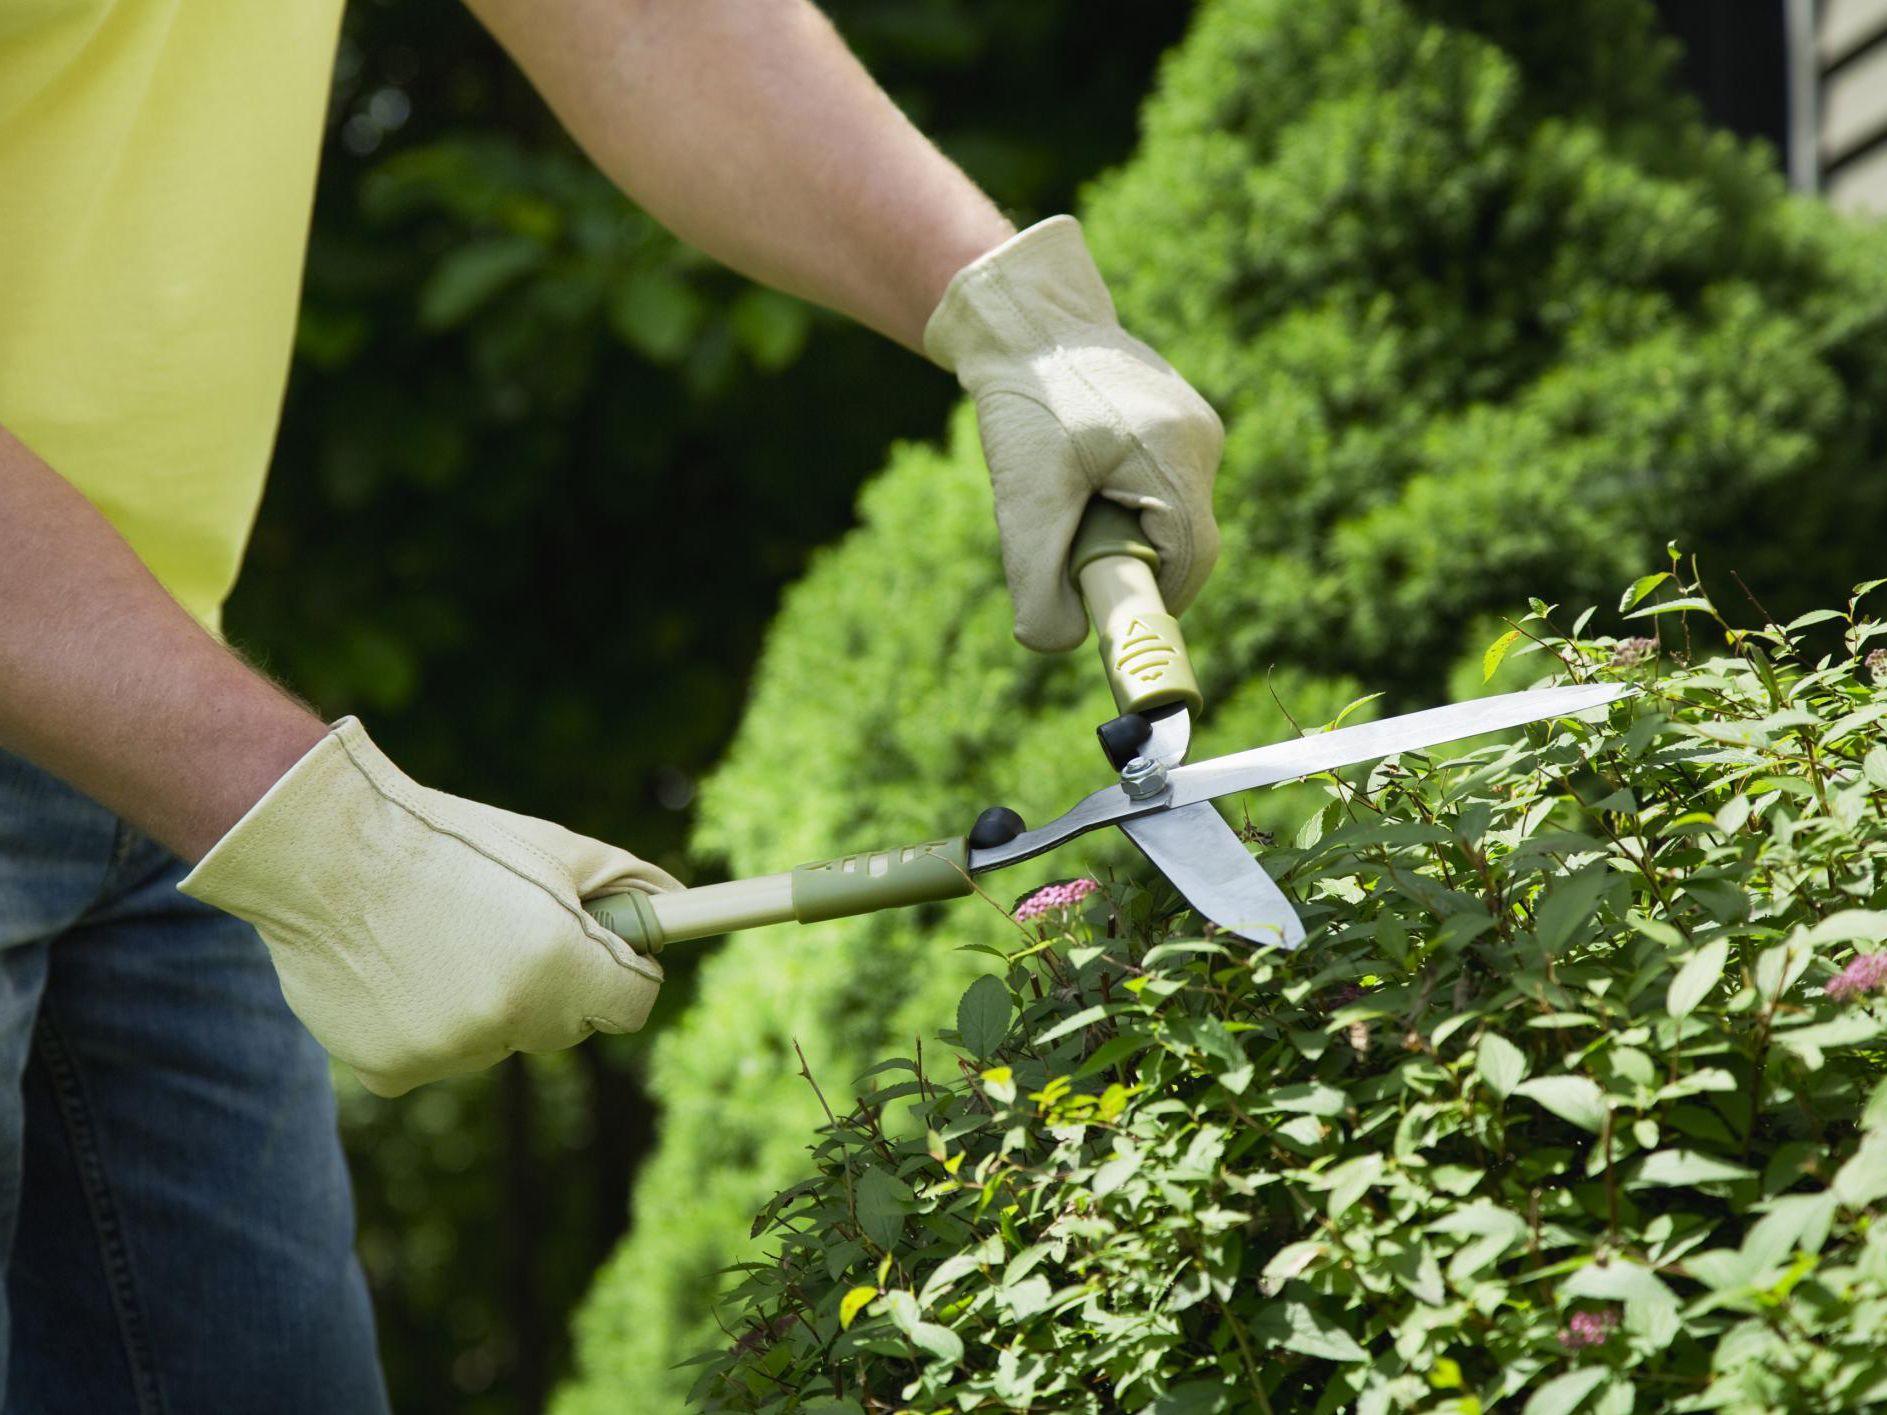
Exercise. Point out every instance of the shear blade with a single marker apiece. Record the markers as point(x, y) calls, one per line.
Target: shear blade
point(1205, 861)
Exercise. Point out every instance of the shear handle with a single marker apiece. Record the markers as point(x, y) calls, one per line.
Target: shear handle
point(1142, 649)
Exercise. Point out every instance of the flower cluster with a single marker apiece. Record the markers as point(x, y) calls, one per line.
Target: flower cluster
point(1876, 662)
point(1584, 1329)
point(1629, 653)
point(1054, 896)
point(1865, 973)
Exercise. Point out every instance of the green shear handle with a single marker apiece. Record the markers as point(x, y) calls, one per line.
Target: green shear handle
point(1141, 646)
point(1147, 668)
point(825, 889)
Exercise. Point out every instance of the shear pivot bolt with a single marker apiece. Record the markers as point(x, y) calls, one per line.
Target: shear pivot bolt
point(1143, 777)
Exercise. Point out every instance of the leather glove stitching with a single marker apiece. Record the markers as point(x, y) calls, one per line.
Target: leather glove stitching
point(995, 279)
point(591, 929)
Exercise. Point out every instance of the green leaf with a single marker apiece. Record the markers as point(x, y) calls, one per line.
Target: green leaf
point(1288, 1262)
point(1794, 1223)
point(1022, 1300)
point(1696, 978)
point(1500, 1063)
point(1568, 906)
point(851, 1303)
point(983, 1015)
point(1086, 1017)
point(1874, 1117)
point(770, 326)
point(1681, 1167)
point(1688, 604)
point(883, 1200)
point(1354, 705)
point(1733, 815)
point(1874, 766)
point(901, 1307)
point(1418, 1272)
point(1846, 1030)
point(1863, 1179)
point(471, 275)
point(1496, 651)
point(1311, 1097)
point(957, 1265)
point(940, 1342)
point(1778, 968)
point(1297, 1326)
point(1641, 587)
point(1115, 1172)
point(1490, 1231)
point(1848, 926)
point(1574, 1098)
point(1706, 1078)
point(1350, 1180)
point(999, 1084)
point(1563, 1394)
point(657, 313)
point(1192, 1398)
point(1651, 1308)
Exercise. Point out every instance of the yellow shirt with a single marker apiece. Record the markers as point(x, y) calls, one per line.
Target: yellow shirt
point(157, 162)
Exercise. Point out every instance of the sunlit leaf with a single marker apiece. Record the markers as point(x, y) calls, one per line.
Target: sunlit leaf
point(853, 1303)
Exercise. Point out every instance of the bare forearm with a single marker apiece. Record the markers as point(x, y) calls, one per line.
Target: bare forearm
point(748, 129)
point(108, 683)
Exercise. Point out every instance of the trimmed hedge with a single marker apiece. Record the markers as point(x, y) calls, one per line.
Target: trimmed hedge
point(1487, 313)
point(1576, 1096)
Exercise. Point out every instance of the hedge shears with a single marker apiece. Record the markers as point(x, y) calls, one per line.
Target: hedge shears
point(1159, 800)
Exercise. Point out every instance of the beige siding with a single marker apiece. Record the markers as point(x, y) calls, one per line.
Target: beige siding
point(1843, 26)
point(1860, 185)
point(1854, 104)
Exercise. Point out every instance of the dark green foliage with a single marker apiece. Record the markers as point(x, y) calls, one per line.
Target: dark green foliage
point(1561, 1103)
point(1488, 314)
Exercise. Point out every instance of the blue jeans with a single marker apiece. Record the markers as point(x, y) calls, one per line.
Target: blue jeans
point(175, 1219)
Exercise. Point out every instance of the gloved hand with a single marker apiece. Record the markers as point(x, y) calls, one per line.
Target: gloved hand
point(1070, 404)
point(419, 935)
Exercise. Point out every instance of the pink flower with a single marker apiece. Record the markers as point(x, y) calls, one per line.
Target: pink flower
point(1051, 897)
point(1629, 653)
point(1865, 973)
point(1877, 665)
point(1587, 1329)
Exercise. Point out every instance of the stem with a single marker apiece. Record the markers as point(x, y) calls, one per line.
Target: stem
point(1247, 1358)
point(832, 1121)
point(1611, 1181)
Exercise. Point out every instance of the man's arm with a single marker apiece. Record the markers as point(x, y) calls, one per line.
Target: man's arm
point(417, 934)
point(748, 129)
point(107, 682)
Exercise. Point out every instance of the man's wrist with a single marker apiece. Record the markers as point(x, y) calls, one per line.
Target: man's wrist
point(974, 235)
point(264, 737)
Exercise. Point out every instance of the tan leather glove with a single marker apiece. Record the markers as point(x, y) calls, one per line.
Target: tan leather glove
point(1069, 404)
point(419, 935)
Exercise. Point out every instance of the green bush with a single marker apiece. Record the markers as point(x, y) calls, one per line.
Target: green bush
point(1576, 1094)
point(1487, 313)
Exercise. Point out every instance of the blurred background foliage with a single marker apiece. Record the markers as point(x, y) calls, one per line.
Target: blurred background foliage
point(542, 474)
point(542, 477)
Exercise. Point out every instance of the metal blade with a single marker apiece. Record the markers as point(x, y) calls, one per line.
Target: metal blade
point(1207, 863)
point(1411, 732)
point(1302, 756)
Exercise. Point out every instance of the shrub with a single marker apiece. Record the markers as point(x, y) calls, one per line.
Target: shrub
point(1487, 313)
point(1574, 1095)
